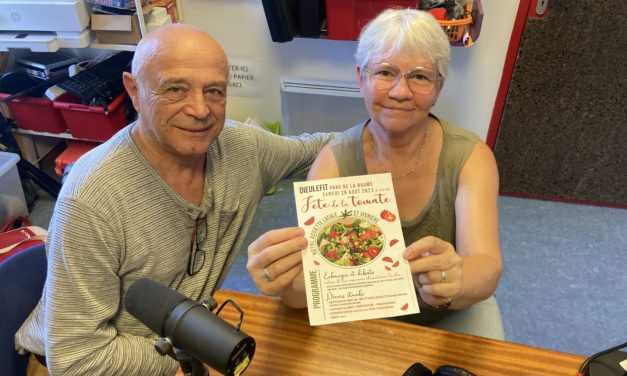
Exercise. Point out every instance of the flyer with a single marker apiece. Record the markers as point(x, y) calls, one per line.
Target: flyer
point(353, 264)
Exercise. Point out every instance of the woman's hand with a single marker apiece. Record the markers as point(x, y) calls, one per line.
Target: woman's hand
point(436, 269)
point(275, 262)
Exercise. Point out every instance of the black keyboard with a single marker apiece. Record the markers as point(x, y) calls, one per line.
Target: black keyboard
point(101, 83)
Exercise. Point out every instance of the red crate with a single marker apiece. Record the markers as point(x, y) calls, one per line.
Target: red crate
point(91, 122)
point(36, 114)
point(346, 18)
point(74, 150)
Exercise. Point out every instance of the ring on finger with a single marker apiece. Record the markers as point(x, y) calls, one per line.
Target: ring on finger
point(267, 274)
point(443, 276)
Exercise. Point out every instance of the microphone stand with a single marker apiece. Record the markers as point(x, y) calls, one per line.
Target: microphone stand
point(190, 365)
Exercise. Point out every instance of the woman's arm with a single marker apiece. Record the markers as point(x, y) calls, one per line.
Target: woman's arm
point(325, 165)
point(477, 226)
point(470, 273)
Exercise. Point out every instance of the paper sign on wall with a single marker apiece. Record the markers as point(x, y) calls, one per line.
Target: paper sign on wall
point(244, 77)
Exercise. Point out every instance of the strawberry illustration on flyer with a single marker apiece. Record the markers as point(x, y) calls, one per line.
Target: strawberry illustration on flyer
point(353, 264)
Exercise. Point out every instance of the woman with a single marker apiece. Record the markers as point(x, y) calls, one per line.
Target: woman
point(445, 178)
point(445, 181)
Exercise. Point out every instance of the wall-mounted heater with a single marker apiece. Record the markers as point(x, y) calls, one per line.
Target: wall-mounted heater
point(309, 106)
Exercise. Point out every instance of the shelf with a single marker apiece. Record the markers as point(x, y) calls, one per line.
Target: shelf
point(51, 41)
point(65, 135)
point(113, 47)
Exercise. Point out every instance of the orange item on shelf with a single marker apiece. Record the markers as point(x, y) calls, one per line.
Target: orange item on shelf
point(71, 154)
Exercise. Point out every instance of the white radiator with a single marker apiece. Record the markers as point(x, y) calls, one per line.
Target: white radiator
point(309, 106)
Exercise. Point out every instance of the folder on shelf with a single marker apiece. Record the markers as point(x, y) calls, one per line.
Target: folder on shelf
point(311, 14)
point(281, 17)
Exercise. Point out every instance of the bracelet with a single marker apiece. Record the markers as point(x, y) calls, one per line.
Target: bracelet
point(441, 307)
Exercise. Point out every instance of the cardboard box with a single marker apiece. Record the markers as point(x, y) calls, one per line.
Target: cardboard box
point(157, 18)
point(116, 29)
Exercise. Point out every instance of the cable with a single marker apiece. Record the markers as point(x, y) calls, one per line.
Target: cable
point(584, 366)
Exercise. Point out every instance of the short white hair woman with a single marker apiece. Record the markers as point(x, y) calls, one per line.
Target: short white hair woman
point(445, 178)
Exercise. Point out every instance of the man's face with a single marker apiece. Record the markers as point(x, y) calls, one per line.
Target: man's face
point(181, 100)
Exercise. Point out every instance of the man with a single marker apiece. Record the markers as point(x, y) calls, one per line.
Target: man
point(169, 197)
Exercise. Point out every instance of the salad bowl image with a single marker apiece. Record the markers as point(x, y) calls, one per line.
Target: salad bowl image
point(350, 242)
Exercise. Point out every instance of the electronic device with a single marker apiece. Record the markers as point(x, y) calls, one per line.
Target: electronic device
point(44, 15)
point(191, 328)
point(46, 65)
point(609, 362)
point(20, 84)
point(101, 83)
point(417, 369)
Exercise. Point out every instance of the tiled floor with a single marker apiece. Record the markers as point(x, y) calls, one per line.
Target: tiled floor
point(564, 286)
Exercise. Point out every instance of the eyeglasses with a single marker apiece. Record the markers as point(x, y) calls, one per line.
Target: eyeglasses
point(197, 255)
point(385, 76)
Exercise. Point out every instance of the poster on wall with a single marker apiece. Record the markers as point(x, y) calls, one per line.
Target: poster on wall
point(353, 264)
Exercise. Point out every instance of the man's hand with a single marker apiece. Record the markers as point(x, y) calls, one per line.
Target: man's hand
point(436, 269)
point(275, 262)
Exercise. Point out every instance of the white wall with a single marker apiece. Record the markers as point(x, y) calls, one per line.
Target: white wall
point(240, 26)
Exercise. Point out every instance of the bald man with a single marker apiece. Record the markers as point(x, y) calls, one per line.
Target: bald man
point(170, 197)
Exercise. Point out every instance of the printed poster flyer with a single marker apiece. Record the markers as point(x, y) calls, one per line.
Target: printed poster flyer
point(353, 265)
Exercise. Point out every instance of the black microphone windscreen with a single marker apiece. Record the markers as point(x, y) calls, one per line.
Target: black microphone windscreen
point(417, 369)
point(151, 303)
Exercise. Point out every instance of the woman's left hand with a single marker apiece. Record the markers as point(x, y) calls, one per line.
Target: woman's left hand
point(436, 269)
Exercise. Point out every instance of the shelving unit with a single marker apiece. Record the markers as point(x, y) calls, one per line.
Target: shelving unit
point(142, 28)
point(36, 145)
point(52, 41)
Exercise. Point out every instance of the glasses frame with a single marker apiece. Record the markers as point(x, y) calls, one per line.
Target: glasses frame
point(194, 248)
point(405, 75)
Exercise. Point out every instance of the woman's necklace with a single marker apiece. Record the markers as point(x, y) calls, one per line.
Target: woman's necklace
point(413, 168)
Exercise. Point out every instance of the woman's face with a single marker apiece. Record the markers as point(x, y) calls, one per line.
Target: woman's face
point(398, 108)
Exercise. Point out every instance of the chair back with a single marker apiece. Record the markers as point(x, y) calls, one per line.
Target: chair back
point(22, 278)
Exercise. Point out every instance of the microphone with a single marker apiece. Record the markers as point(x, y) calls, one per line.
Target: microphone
point(190, 327)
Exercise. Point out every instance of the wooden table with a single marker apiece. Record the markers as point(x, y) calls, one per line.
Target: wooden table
point(288, 345)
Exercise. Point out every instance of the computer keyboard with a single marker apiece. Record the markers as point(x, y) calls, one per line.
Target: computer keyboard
point(101, 83)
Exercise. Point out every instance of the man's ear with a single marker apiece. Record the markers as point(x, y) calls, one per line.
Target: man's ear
point(130, 84)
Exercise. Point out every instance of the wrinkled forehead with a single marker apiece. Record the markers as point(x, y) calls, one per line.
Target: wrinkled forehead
point(168, 53)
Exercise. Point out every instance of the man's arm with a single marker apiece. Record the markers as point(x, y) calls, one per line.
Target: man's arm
point(286, 156)
point(83, 295)
point(280, 250)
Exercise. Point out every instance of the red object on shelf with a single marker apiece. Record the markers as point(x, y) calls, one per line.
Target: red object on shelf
point(36, 114)
point(346, 18)
point(92, 122)
point(439, 13)
point(74, 150)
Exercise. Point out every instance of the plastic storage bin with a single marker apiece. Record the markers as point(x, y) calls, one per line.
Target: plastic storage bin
point(36, 114)
point(74, 150)
point(12, 201)
point(346, 18)
point(92, 122)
